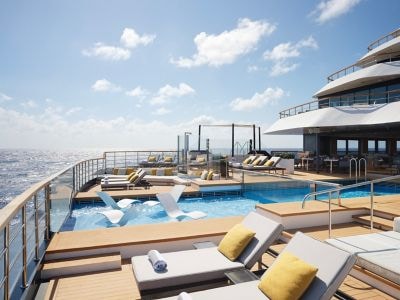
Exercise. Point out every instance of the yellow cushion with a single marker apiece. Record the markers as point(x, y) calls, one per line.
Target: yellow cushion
point(256, 161)
point(200, 159)
point(153, 172)
point(151, 158)
point(115, 171)
point(210, 175)
point(269, 163)
point(129, 171)
point(247, 160)
point(130, 176)
point(133, 178)
point(168, 159)
point(288, 278)
point(234, 242)
point(168, 172)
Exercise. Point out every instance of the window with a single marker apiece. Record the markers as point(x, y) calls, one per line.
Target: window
point(346, 100)
point(377, 95)
point(394, 92)
point(398, 146)
point(341, 147)
point(371, 146)
point(381, 146)
point(361, 97)
point(352, 146)
point(334, 101)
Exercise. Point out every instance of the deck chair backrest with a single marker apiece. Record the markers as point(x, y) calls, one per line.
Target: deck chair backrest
point(275, 159)
point(128, 215)
point(108, 200)
point(141, 174)
point(333, 265)
point(267, 231)
point(177, 191)
point(168, 202)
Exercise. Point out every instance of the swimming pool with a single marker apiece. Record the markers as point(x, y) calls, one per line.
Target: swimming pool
point(86, 216)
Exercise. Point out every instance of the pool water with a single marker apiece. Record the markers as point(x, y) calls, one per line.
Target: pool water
point(87, 216)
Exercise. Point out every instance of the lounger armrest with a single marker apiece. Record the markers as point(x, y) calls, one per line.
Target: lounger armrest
point(396, 224)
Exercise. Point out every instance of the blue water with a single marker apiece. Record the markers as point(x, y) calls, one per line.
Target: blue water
point(21, 168)
point(87, 216)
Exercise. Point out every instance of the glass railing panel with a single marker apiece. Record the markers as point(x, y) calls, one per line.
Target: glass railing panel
point(60, 197)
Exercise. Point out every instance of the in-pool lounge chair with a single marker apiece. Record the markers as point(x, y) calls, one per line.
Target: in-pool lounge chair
point(333, 266)
point(119, 217)
point(172, 209)
point(196, 266)
point(378, 252)
point(126, 184)
point(123, 203)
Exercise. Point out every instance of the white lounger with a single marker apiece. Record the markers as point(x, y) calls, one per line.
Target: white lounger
point(166, 180)
point(172, 209)
point(376, 252)
point(123, 203)
point(333, 266)
point(194, 266)
point(119, 217)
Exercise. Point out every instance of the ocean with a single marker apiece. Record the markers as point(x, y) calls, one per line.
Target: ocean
point(21, 168)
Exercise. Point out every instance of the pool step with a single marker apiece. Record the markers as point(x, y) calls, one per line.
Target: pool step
point(379, 222)
point(80, 265)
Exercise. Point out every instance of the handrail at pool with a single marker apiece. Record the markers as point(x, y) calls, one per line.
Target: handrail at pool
point(339, 189)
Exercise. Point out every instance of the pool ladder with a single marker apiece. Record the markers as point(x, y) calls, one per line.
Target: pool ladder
point(357, 169)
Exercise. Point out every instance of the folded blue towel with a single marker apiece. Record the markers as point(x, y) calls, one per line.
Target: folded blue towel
point(158, 262)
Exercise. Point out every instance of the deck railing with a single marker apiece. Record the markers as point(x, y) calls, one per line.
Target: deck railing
point(337, 191)
point(384, 39)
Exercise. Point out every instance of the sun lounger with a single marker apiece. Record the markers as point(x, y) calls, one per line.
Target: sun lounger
point(172, 209)
point(377, 252)
point(195, 266)
point(166, 180)
point(333, 266)
point(126, 184)
point(119, 217)
point(123, 203)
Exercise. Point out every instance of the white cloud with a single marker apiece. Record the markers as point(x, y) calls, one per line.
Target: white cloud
point(270, 95)
point(226, 47)
point(107, 52)
point(73, 110)
point(29, 104)
point(4, 97)
point(137, 92)
point(131, 39)
point(161, 111)
point(103, 85)
point(252, 68)
point(167, 92)
point(281, 53)
point(330, 9)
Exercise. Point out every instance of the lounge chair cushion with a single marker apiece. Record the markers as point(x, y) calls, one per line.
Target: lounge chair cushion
point(168, 159)
point(269, 163)
point(249, 159)
point(235, 240)
point(183, 267)
point(204, 175)
point(151, 158)
point(168, 172)
point(289, 277)
point(133, 178)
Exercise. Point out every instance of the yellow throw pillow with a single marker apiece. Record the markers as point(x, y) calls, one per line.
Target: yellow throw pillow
point(115, 171)
point(256, 161)
point(130, 176)
point(288, 278)
point(168, 159)
point(130, 171)
point(168, 172)
point(269, 163)
point(133, 178)
point(247, 160)
point(235, 240)
point(200, 159)
point(151, 158)
point(153, 172)
point(210, 175)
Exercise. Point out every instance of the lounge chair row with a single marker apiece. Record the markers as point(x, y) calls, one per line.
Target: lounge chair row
point(259, 163)
point(202, 265)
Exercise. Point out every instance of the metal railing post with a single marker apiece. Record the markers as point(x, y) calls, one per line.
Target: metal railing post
point(24, 245)
point(7, 261)
point(47, 210)
point(372, 206)
point(36, 205)
point(330, 215)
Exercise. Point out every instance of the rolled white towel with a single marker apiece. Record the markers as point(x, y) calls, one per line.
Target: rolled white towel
point(158, 262)
point(396, 224)
point(184, 296)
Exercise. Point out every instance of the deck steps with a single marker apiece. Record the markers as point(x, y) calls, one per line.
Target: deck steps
point(380, 222)
point(80, 265)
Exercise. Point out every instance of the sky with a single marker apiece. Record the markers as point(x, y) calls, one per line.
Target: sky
point(135, 74)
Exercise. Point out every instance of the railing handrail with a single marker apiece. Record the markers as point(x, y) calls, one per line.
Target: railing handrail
point(338, 189)
point(393, 34)
point(11, 209)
